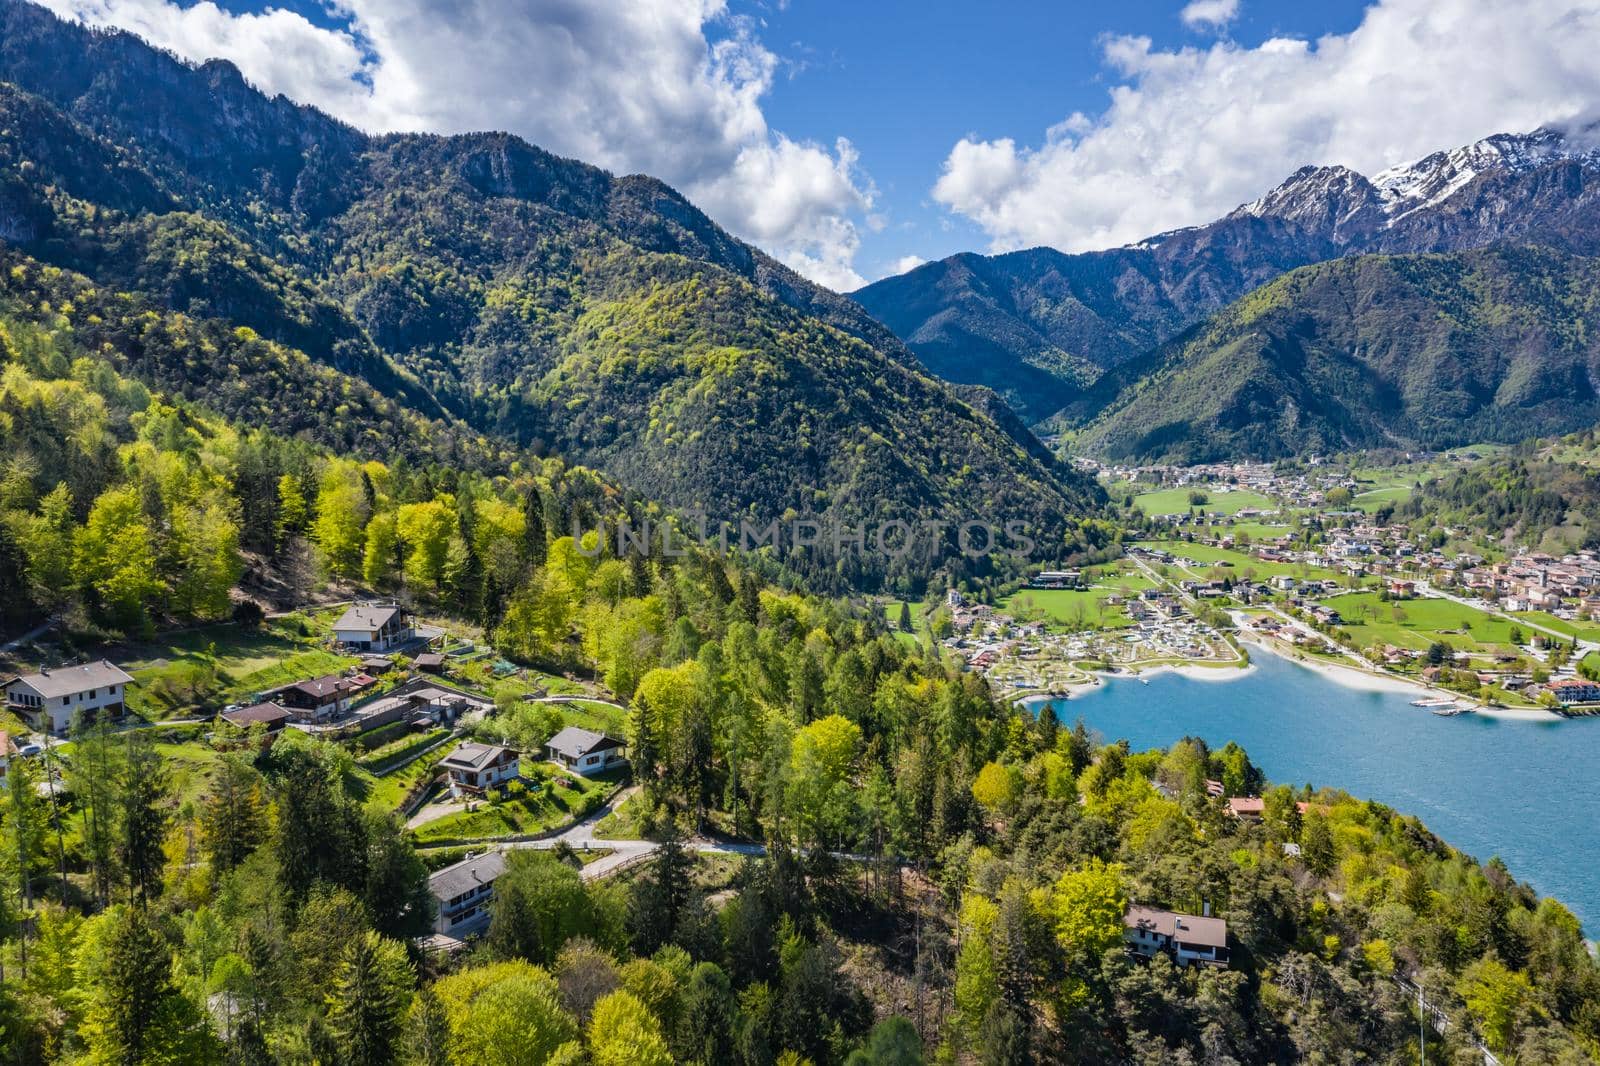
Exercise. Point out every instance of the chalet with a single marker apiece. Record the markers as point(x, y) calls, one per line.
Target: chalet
point(462, 893)
point(429, 663)
point(271, 716)
point(374, 627)
point(1402, 590)
point(1187, 937)
point(316, 699)
point(476, 768)
point(51, 698)
point(585, 752)
point(1248, 808)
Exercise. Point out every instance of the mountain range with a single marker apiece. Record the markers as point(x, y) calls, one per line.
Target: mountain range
point(507, 297)
point(1046, 329)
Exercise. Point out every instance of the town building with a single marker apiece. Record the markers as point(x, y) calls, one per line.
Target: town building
point(462, 893)
point(1187, 937)
point(374, 627)
point(476, 768)
point(1570, 690)
point(50, 699)
point(585, 752)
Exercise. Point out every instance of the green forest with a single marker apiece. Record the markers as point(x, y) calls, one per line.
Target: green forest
point(251, 357)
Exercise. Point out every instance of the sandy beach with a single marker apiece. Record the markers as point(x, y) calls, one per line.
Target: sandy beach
point(1354, 677)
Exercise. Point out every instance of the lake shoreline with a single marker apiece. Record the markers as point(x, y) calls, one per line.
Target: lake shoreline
point(1345, 676)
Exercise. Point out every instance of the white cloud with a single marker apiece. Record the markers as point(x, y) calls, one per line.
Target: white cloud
point(1190, 134)
point(1209, 14)
point(631, 85)
point(904, 264)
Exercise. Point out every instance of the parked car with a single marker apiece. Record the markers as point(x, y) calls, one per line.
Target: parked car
point(30, 749)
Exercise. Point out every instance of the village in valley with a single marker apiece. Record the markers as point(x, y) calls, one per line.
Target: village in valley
point(1312, 563)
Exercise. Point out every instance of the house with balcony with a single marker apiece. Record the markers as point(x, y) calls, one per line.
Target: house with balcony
point(476, 768)
point(374, 627)
point(50, 699)
point(462, 893)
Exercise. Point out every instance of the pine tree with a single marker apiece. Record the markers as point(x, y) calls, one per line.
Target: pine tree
point(234, 819)
point(137, 1014)
point(660, 899)
point(905, 617)
point(750, 597)
point(533, 528)
point(369, 1000)
point(143, 817)
point(428, 1031)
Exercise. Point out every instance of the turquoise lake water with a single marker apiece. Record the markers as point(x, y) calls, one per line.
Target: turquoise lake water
point(1525, 791)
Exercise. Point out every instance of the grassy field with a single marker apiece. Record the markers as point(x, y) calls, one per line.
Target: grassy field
point(1373, 499)
point(1085, 607)
point(919, 622)
point(1241, 562)
point(1175, 501)
point(1418, 623)
point(531, 812)
point(199, 670)
point(1259, 531)
point(595, 715)
point(1580, 630)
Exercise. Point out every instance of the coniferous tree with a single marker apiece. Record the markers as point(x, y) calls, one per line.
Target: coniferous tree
point(143, 817)
point(370, 996)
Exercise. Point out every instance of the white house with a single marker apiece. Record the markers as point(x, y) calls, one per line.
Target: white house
point(1189, 938)
point(476, 768)
point(585, 752)
point(462, 893)
point(51, 698)
point(374, 627)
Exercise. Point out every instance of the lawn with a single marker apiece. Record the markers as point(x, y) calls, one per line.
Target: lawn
point(891, 614)
point(1077, 607)
point(1580, 630)
point(1420, 622)
point(199, 670)
point(1207, 556)
point(595, 715)
point(1176, 501)
point(1373, 499)
point(529, 812)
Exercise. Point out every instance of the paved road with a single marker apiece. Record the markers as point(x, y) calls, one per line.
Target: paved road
point(1427, 589)
point(580, 837)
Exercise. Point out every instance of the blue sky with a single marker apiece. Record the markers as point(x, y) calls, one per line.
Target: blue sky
point(906, 80)
point(851, 139)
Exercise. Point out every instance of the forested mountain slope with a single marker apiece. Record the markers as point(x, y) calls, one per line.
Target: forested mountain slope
point(532, 300)
point(1039, 325)
point(1393, 351)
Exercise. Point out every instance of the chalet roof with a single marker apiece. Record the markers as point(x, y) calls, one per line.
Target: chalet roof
point(318, 687)
point(367, 616)
point(1184, 928)
point(257, 712)
point(575, 743)
point(70, 680)
point(466, 875)
point(474, 756)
